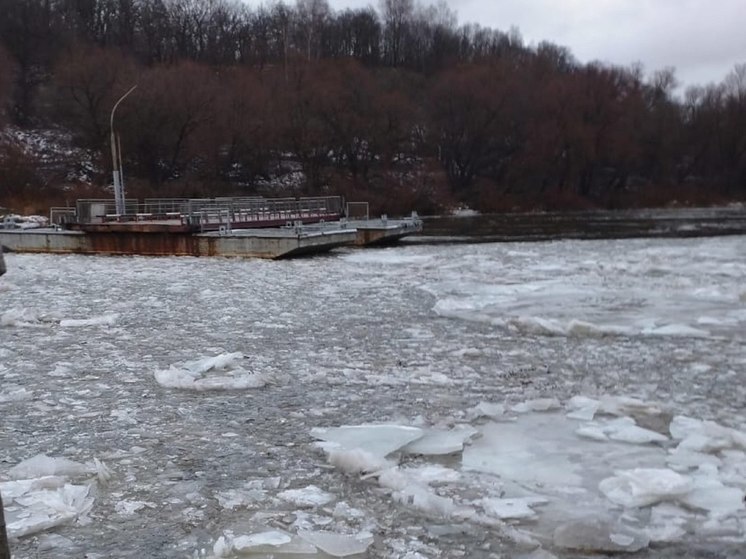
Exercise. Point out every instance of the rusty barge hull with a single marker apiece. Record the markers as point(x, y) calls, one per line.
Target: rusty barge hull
point(271, 244)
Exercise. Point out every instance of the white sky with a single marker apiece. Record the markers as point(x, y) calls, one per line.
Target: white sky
point(702, 39)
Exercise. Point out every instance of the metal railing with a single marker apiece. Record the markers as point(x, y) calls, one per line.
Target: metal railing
point(62, 215)
point(210, 211)
point(358, 210)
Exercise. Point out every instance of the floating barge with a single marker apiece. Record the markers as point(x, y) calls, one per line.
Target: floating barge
point(243, 227)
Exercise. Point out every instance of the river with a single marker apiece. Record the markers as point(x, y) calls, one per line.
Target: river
point(98, 357)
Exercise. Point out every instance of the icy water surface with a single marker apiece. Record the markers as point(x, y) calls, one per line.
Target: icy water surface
point(98, 356)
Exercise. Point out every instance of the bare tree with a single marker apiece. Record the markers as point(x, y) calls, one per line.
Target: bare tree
point(312, 16)
point(735, 82)
point(397, 16)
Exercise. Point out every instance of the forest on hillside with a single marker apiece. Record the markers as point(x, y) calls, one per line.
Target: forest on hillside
point(399, 105)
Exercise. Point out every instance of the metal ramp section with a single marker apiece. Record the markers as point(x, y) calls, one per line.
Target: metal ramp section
point(383, 230)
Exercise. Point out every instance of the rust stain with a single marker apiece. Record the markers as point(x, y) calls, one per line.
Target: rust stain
point(152, 244)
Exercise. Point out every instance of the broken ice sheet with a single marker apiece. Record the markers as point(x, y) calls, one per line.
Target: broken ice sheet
point(127, 508)
point(515, 508)
point(668, 522)
point(710, 494)
point(436, 442)
point(46, 499)
point(272, 543)
point(263, 541)
point(42, 465)
point(310, 496)
point(582, 407)
point(338, 545)
point(623, 429)
point(32, 506)
point(486, 409)
point(377, 440)
point(599, 535)
point(233, 498)
point(705, 436)
point(641, 487)
point(540, 404)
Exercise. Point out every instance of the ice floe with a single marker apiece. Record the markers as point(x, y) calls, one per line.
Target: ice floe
point(280, 543)
point(221, 372)
point(338, 545)
point(103, 320)
point(589, 479)
point(599, 535)
point(623, 429)
point(310, 496)
point(519, 507)
point(641, 487)
point(376, 440)
point(438, 442)
point(40, 495)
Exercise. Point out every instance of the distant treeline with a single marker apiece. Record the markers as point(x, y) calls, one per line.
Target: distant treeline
point(399, 105)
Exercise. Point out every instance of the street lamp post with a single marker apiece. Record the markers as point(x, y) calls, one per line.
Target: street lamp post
point(4, 547)
point(116, 159)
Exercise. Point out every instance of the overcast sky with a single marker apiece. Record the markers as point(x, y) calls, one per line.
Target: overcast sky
point(702, 39)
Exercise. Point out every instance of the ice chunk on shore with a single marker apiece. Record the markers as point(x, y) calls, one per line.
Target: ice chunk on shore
point(338, 545)
point(641, 487)
point(376, 440)
point(194, 374)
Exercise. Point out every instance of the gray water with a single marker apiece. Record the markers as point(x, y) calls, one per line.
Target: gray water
point(414, 334)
